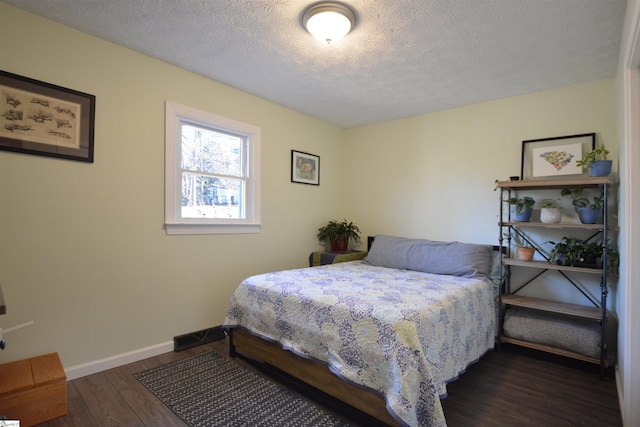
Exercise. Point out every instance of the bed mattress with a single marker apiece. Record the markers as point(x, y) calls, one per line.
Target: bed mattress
point(403, 334)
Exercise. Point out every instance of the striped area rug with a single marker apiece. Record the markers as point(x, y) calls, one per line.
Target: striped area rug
point(208, 390)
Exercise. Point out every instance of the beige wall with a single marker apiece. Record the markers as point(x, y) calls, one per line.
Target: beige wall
point(83, 252)
point(433, 175)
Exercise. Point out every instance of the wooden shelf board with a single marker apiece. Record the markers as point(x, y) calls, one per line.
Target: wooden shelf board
point(545, 265)
point(558, 225)
point(550, 349)
point(555, 183)
point(578, 310)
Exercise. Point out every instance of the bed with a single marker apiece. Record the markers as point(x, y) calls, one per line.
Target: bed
point(384, 334)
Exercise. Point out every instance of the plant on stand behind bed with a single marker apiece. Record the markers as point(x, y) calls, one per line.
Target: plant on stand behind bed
point(596, 161)
point(550, 211)
point(588, 210)
point(523, 248)
point(578, 253)
point(522, 207)
point(338, 234)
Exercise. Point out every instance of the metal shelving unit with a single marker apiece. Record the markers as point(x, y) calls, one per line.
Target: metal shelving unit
point(594, 310)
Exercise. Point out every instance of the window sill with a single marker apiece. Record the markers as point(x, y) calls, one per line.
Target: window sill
point(193, 228)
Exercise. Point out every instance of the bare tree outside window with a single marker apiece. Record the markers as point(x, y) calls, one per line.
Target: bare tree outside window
point(213, 173)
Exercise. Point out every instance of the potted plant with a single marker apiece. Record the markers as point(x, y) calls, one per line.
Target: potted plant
point(550, 211)
point(596, 161)
point(338, 234)
point(522, 207)
point(578, 253)
point(588, 210)
point(523, 249)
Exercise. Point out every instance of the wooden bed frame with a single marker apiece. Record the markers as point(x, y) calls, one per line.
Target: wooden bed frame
point(313, 373)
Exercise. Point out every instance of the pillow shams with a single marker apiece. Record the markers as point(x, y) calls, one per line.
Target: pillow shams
point(452, 258)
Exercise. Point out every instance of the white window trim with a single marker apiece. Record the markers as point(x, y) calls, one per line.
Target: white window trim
point(174, 223)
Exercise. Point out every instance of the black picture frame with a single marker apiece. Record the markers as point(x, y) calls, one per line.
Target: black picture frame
point(44, 119)
point(305, 168)
point(529, 160)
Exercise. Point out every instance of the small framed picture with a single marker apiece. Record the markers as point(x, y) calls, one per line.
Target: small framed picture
point(555, 157)
point(305, 168)
point(44, 119)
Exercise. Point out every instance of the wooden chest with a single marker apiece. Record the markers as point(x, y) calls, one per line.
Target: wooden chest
point(33, 390)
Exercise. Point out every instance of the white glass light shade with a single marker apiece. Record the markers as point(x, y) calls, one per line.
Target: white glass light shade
point(328, 22)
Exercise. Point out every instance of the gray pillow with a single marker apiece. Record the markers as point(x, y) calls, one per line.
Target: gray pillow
point(452, 258)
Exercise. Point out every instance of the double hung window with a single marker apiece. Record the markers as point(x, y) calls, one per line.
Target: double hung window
point(212, 173)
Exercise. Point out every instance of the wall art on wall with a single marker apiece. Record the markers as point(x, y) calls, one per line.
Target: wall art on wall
point(305, 168)
point(44, 119)
point(555, 157)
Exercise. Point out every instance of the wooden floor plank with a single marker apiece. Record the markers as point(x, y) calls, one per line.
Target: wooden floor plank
point(526, 388)
point(513, 387)
point(77, 412)
point(146, 406)
point(105, 403)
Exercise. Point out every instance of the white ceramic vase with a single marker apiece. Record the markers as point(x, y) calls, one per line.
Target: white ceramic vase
point(550, 215)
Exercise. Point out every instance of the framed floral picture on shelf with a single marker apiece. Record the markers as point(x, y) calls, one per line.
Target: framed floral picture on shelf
point(305, 168)
point(549, 158)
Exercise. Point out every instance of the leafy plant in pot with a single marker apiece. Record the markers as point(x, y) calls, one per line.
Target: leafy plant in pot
point(596, 161)
point(550, 212)
point(338, 234)
point(588, 210)
point(578, 253)
point(522, 207)
point(524, 250)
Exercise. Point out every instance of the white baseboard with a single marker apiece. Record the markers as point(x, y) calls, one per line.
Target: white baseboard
point(89, 368)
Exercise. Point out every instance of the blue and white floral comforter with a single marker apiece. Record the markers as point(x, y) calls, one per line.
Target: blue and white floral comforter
point(402, 333)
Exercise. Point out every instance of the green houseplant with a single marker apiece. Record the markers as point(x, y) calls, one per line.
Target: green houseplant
point(578, 253)
point(589, 210)
point(597, 162)
point(522, 207)
point(338, 234)
point(550, 211)
point(523, 249)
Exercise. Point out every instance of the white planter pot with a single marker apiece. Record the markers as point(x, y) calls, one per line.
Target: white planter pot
point(550, 215)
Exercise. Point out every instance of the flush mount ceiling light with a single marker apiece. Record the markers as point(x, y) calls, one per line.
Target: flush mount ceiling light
point(328, 21)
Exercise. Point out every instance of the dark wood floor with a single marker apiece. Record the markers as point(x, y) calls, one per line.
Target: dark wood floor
point(513, 387)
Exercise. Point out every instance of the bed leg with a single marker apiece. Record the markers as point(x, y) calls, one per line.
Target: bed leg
point(232, 348)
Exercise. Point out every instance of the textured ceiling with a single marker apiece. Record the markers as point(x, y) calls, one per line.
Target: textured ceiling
point(404, 57)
